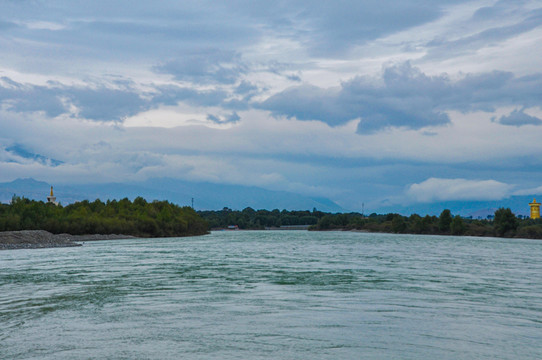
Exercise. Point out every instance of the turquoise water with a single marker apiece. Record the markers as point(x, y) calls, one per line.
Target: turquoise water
point(275, 295)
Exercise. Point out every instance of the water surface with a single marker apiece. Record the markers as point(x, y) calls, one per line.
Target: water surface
point(275, 295)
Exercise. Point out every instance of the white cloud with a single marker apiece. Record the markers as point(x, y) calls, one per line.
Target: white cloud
point(45, 25)
point(531, 191)
point(435, 189)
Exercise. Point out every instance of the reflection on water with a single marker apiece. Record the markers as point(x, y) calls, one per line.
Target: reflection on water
point(279, 295)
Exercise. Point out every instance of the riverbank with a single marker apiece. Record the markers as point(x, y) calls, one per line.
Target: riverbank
point(37, 239)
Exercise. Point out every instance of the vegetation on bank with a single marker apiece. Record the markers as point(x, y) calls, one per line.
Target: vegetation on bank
point(138, 218)
point(250, 219)
point(504, 224)
point(161, 219)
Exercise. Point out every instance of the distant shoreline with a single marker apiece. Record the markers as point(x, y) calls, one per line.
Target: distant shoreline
point(41, 239)
point(376, 232)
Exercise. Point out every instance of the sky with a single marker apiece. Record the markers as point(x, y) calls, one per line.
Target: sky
point(367, 103)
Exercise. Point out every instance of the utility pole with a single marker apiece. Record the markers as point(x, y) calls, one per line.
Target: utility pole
point(192, 203)
point(362, 209)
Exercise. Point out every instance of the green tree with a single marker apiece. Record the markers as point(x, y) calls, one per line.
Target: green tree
point(326, 222)
point(415, 224)
point(429, 224)
point(445, 221)
point(398, 224)
point(505, 221)
point(458, 226)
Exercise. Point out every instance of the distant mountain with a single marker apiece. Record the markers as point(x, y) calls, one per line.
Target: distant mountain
point(477, 209)
point(207, 196)
point(30, 188)
point(485, 213)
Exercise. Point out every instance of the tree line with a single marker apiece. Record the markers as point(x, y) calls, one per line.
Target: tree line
point(138, 218)
point(250, 219)
point(161, 219)
point(504, 224)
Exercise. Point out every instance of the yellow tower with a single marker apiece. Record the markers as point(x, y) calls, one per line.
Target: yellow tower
point(535, 209)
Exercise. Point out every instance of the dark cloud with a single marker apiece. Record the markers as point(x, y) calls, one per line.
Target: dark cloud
point(518, 118)
point(171, 30)
point(226, 119)
point(201, 43)
point(166, 34)
point(497, 32)
point(296, 78)
point(406, 98)
point(103, 103)
point(307, 102)
point(205, 67)
point(487, 91)
point(331, 28)
point(28, 98)
point(21, 151)
point(98, 104)
point(246, 88)
point(339, 25)
point(172, 94)
point(284, 69)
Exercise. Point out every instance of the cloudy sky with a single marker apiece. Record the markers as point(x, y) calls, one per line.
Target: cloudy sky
point(364, 101)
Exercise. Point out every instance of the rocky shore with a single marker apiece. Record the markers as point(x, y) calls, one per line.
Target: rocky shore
point(35, 239)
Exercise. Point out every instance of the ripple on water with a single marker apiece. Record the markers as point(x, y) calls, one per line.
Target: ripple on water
point(275, 295)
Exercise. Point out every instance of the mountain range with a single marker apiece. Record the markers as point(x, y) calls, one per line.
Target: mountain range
point(207, 196)
point(475, 209)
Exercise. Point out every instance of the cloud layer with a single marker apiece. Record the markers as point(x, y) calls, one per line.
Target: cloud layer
point(351, 100)
point(407, 97)
point(435, 189)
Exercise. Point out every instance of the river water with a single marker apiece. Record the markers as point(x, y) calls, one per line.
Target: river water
point(275, 295)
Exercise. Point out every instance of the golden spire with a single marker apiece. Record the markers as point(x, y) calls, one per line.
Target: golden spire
point(51, 191)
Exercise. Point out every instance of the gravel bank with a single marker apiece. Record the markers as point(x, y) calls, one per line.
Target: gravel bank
point(35, 239)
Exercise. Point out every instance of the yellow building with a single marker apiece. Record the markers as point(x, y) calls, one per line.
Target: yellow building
point(535, 209)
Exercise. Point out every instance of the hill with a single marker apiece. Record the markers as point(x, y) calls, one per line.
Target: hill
point(207, 196)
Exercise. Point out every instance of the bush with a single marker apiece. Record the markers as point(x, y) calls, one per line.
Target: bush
point(530, 232)
point(458, 226)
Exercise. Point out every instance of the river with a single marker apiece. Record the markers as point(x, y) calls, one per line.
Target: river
point(275, 295)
